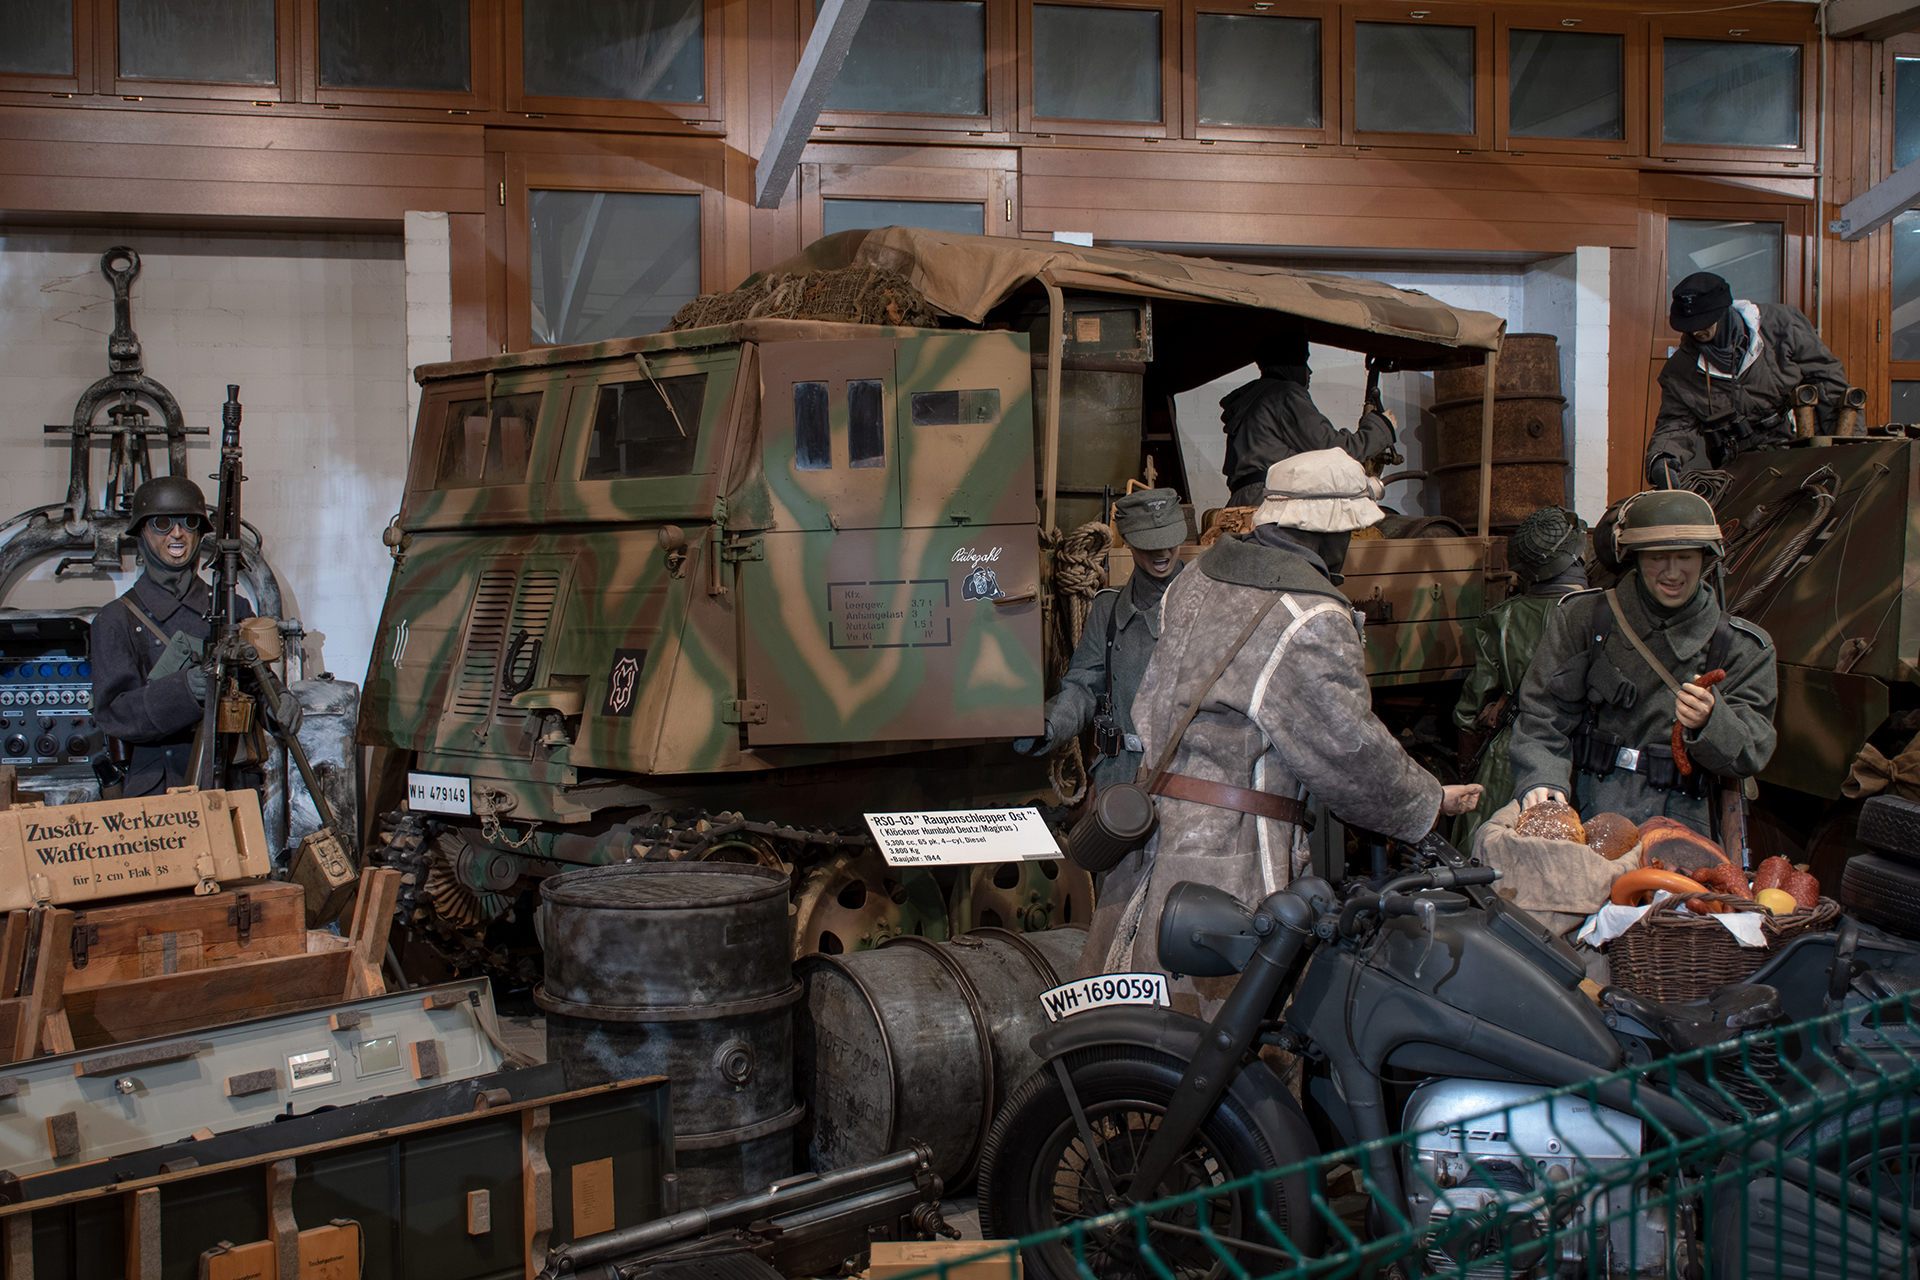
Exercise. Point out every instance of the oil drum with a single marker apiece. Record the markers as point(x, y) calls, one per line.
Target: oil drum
point(921, 1040)
point(682, 970)
point(1529, 442)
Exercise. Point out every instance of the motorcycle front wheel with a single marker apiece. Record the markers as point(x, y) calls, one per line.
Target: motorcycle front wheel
point(1035, 1175)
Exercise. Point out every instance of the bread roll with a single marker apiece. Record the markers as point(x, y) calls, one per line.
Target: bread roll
point(1551, 820)
point(1611, 836)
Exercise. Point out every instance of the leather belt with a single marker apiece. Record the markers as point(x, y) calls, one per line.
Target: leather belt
point(1222, 795)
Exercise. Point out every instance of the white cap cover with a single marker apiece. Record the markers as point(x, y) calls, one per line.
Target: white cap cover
point(1325, 491)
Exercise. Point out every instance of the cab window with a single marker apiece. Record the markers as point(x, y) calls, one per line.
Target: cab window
point(648, 428)
point(486, 442)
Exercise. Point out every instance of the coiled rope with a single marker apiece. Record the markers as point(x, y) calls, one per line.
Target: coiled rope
point(1079, 572)
point(1765, 519)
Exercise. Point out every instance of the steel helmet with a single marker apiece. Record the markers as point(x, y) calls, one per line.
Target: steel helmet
point(1666, 520)
point(166, 496)
point(1547, 543)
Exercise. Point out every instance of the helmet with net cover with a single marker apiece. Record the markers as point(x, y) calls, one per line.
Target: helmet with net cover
point(1666, 520)
point(1547, 543)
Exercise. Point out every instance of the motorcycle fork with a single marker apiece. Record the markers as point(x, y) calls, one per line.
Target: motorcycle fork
point(1216, 1064)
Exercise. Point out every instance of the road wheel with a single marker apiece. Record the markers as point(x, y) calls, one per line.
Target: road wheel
point(1883, 892)
point(1035, 1174)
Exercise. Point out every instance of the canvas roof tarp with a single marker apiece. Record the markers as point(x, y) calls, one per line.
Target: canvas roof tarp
point(967, 276)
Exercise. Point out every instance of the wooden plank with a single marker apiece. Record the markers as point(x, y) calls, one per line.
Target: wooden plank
point(115, 955)
point(178, 1002)
point(227, 164)
point(1398, 233)
point(49, 980)
point(399, 138)
point(190, 196)
point(13, 951)
point(1224, 199)
point(372, 922)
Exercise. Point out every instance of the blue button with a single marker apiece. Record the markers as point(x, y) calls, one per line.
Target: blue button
point(46, 668)
point(66, 668)
point(86, 669)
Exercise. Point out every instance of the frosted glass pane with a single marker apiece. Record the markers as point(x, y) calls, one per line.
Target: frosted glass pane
point(1906, 292)
point(1096, 64)
point(1906, 111)
point(924, 56)
point(1412, 78)
point(1731, 93)
point(1906, 402)
point(39, 39)
point(1566, 84)
point(226, 41)
point(634, 50)
point(1259, 72)
point(610, 264)
point(1744, 254)
point(929, 215)
point(395, 44)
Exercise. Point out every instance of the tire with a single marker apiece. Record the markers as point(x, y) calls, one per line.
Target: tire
point(1891, 826)
point(1883, 892)
point(1030, 1171)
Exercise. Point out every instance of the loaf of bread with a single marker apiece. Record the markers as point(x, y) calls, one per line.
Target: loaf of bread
point(1551, 820)
point(1611, 836)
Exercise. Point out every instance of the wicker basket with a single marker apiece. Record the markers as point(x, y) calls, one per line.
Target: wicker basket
point(1674, 955)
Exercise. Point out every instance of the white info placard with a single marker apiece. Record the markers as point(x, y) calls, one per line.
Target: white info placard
point(962, 835)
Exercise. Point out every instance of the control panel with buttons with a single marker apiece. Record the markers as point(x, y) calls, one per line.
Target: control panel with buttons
point(46, 691)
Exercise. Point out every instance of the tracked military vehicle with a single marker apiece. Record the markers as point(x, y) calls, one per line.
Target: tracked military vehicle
point(719, 591)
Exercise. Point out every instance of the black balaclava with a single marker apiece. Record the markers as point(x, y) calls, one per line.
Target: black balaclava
point(1286, 360)
point(1148, 589)
point(1326, 552)
point(175, 581)
point(1728, 346)
point(1571, 578)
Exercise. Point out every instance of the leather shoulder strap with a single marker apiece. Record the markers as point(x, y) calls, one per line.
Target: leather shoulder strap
point(141, 616)
point(1193, 709)
point(1639, 645)
point(1111, 631)
point(1721, 644)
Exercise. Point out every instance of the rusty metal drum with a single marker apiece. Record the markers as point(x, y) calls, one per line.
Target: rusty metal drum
point(1529, 441)
point(921, 1040)
point(682, 970)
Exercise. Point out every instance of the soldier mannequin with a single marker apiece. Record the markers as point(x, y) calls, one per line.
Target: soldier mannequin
point(1549, 550)
point(1728, 389)
point(1596, 721)
point(1153, 525)
point(148, 687)
point(1291, 714)
point(1273, 418)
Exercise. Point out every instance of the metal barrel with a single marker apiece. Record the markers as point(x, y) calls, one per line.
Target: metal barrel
point(682, 970)
point(921, 1041)
point(1529, 440)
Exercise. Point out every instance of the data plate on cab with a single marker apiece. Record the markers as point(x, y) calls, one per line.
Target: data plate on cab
point(1102, 991)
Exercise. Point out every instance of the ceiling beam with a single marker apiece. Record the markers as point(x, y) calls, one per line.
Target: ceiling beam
point(833, 31)
point(1871, 19)
point(1879, 204)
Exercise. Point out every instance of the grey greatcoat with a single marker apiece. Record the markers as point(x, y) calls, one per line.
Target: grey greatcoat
point(1708, 417)
point(1291, 715)
point(1631, 702)
point(156, 718)
point(1070, 710)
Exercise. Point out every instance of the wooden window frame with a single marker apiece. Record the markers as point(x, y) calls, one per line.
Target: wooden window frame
point(612, 171)
point(1169, 124)
point(287, 59)
point(712, 39)
point(1439, 15)
point(1793, 220)
point(85, 21)
point(988, 177)
point(1738, 29)
point(1332, 72)
point(483, 71)
point(999, 87)
point(1633, 88)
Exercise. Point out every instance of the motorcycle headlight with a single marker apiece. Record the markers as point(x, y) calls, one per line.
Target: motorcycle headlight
point(1205, 932)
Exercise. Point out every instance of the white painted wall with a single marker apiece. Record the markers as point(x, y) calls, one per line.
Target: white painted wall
point(313, 328)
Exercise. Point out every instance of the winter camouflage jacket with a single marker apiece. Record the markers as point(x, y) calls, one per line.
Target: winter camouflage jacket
point(1632, 703)
point(1291, 715)
point(1070, 710)
point(1707, 418)
point(1502, 642)
point(1272, 418)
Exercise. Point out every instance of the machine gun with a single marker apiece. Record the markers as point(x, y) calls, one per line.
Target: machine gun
point(814, 1225)
point(240, 685)
point(1389, 456)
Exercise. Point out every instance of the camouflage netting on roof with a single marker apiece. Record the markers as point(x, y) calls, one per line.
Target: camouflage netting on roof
point(857, 294)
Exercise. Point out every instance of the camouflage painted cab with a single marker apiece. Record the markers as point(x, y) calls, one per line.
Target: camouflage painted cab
point(744, 548)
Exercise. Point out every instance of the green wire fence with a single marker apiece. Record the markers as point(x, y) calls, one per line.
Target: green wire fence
point(1788, 1153)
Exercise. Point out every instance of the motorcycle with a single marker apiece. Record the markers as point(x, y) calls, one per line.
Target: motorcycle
point(1410, 1006)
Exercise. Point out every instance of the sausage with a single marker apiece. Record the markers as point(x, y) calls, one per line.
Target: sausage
point(1680, 757)
point(1724, 878)
point(1770, 873)
point(1644, 882)
point(1804, 888)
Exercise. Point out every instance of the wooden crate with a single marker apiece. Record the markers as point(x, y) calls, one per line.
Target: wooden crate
point(48, 1005)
